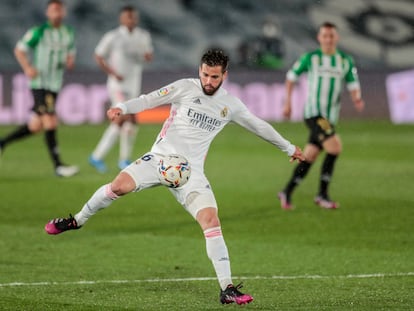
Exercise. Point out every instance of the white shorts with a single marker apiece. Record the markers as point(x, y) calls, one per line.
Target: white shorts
point(195, 195)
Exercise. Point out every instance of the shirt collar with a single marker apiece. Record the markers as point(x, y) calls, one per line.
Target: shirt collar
point(124, 29)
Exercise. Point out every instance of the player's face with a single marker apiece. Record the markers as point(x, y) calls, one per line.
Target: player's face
point(55, 13)
point(328, 38)
point(211, 78)
point(129, 19)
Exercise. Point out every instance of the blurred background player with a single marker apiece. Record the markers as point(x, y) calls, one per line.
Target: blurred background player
point(53, 49)
point(327, 69)
point(121, 54)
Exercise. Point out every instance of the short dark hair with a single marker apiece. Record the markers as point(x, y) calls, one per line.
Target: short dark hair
point(327, 25)
point(215, 57)
point(127, 8)
point(60, 2)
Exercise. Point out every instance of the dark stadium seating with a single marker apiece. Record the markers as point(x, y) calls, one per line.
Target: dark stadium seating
point(182, 29)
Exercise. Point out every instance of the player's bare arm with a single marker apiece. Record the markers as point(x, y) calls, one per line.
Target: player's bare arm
point(287, 107)
point(106, 68)
point(359, 103)
point(70, 61)
point(24, 62)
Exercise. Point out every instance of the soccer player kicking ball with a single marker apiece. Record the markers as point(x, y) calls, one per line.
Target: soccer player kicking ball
point(200, 109)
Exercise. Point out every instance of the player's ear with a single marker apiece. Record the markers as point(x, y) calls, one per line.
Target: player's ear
point(225, 75)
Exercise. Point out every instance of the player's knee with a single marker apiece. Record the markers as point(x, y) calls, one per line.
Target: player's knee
point(208, 218)
point(334, 150)
point(122, 184)
point(35, 128)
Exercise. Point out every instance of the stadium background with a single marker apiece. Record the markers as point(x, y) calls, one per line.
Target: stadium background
point(379, 34)
point(145, 253)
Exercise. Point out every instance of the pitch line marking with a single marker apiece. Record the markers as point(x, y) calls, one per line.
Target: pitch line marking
point(258, 277)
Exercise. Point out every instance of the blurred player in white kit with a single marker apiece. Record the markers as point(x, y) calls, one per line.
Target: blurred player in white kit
point(121, 54)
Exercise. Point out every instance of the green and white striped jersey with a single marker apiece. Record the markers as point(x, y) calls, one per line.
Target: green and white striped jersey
point(50, 47)
point(326, 75)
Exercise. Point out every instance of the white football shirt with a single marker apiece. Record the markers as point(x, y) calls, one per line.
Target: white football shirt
point(196, 118)
point(124, 51)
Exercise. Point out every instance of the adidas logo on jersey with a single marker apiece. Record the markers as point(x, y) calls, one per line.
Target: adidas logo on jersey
point(197, 101)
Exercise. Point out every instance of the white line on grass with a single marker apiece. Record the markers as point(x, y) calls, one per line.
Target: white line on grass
point(258, 277)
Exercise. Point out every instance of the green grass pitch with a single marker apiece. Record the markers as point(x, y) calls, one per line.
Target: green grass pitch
point(146, 253)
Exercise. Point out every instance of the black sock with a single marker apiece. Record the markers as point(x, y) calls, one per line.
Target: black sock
point(19, 133)
point(326, 174)
point(51, 142)
point(298, 174)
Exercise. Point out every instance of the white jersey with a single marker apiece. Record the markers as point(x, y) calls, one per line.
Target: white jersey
point(124, 51)
point(196, 118)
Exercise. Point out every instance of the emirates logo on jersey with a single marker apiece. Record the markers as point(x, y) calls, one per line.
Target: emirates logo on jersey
point(203, 121)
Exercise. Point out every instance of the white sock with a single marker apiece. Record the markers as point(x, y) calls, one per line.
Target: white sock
point(108, 139)
point(128, 134)
point(102, 198)
point(219, 255)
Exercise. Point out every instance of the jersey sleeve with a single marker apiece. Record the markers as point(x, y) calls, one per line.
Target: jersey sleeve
point(166, 94)
point(351, 76)
point(148, 43)
point(30, 39)
point(299, 67)
point(103, 49)
point(261, 128)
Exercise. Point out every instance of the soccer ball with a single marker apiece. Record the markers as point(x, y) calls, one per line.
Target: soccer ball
point(174, 170)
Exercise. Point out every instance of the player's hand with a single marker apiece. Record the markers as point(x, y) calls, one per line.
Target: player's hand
point(114, 113)
point(30, 72)
point(359, 104)
point(70, 62)
point(297, 155)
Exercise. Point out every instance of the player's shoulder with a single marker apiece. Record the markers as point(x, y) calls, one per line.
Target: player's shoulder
point(187, 82)
point(345, 55)
point(307, 56)
point(316, 52)
point(113, 32)
point(68, 28)
point(37, 29)
point(181, 86)
point(228, 97)
point(141, 31)
point(35, 33)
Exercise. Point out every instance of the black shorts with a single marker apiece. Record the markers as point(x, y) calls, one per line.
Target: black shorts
point(320, 130)
point(44, 101)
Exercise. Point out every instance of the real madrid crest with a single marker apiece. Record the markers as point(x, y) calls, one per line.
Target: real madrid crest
point(224, 112)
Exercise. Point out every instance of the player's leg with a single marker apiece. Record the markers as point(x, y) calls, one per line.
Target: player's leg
point(49, 123)
point(128, 135)
point(105, 195)
point(218, 253)
point(105, 144)
point(19, 133)
point(310, 152)
point(110, 135)
point(200, 202)
point(138, 176)
point(45, 108)
point(102, 198)
point(333, 148)
point(33, 126)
